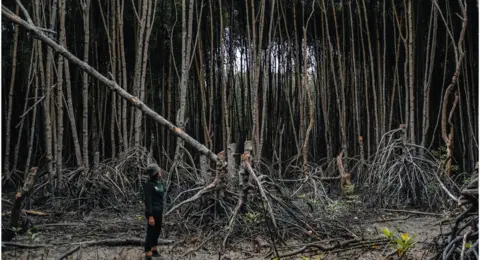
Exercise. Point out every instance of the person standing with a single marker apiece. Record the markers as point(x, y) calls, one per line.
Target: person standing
point(153, 191)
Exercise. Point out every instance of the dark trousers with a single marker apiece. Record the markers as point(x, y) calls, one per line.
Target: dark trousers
point(153, 232)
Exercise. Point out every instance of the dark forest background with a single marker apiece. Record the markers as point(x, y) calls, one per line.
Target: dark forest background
point(334, 75)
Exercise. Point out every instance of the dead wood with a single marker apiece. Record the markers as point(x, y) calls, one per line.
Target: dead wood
point(343, 245)
point(20, 245)
point(20, 196)
point(464, 231)
point(105, 242)
point(121, 242)
point(414, 212)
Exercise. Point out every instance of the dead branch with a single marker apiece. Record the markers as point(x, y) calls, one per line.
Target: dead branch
point(105, 242)
point(465, 228)
point(20, 245)
point(121, 242)
point(262, 192)
point(69, 252)
point(321, 246)
point(414, 212)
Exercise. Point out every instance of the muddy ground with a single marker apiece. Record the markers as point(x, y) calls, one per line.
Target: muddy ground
point(63, 232)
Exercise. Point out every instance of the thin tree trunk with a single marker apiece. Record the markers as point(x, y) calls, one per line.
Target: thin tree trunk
point(120, 10)
point(138, 69)
point(355, 84)
point(186, 50)
point(25, 106)
point(366, 78)
point(86, 44)
point(430, 64)
point(306, 85)
point(47, 111)
point(411, 71)
point(6, 160)
point(70, 111)
point(34, 116)
point(341, 107)
point(59, 131)
point(225, 120)
point(372, 69)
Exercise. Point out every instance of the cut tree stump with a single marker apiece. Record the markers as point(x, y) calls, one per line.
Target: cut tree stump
point(9, 234)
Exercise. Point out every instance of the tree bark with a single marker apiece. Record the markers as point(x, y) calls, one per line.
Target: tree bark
point(85, 4)
point(6, 160)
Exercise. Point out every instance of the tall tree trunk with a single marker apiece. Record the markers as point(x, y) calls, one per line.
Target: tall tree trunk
point(85, 4)
point(6, 160)
point(46, 107)
point(411, 71)
point(60, 71)
point(341, 107)
point(70, 111)
point(306, 85)
point(427, 80)
point(186, 50)
point(137, 86)
point(34, 114)
point(372, 70)
point(25, 105)
point(355, 84)
point(121, 39)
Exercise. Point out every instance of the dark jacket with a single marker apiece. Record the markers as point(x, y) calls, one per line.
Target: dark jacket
point(153, 192)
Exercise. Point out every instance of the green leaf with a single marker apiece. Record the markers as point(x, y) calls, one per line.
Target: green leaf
point(305, 258)
point(468, 245)
point(387, 232)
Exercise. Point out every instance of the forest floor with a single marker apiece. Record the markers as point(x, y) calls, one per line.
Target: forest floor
point(60, 233)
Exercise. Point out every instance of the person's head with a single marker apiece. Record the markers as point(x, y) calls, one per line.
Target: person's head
point(153, 171)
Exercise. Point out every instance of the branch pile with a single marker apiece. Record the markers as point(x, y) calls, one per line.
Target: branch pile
point(108, 184)
point(462, 240)
point(403, 174)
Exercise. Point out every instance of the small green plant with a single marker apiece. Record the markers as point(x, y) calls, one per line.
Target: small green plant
point(32, 235)
point(335, 206)
point(402, 243)
point(468, 245)
point(252, 217)
point(349, 189)
point(301, 196)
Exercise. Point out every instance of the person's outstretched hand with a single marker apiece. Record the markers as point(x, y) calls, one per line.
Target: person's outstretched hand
point(151, 221)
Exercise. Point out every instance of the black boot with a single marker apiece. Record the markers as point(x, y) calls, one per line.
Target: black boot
point(148, 255)
point(155, 253)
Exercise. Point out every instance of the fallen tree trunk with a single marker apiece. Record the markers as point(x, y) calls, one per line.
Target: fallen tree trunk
point(39, 33)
